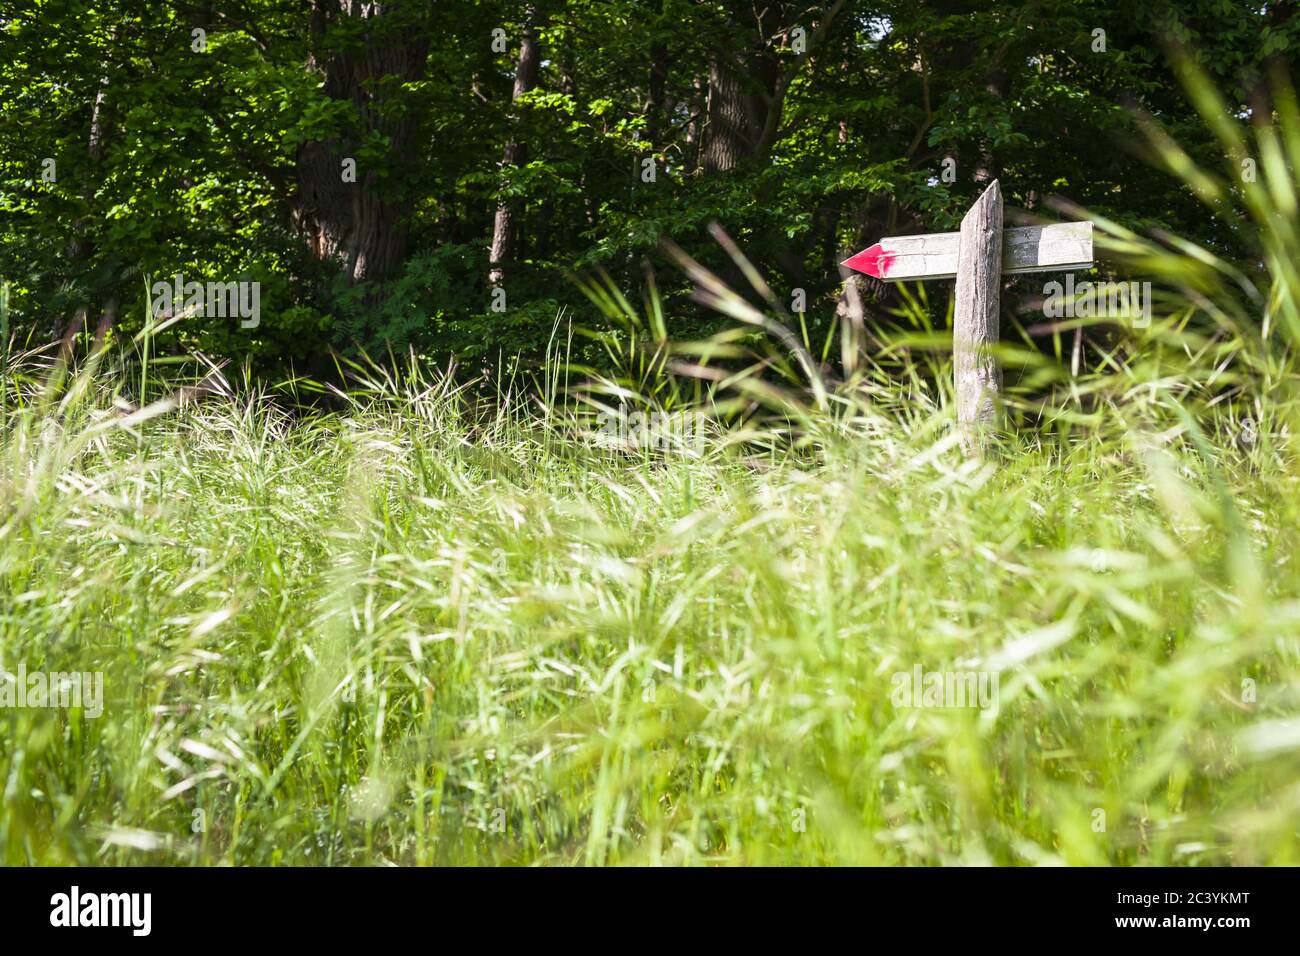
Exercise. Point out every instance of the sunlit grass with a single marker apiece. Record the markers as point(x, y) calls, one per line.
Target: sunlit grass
point(410, 633)
point(430, 628)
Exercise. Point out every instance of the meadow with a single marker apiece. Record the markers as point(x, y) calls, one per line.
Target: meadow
point(448, 620)
point(429, 629)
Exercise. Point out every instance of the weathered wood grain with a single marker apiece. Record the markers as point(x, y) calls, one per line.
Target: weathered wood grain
point(975, 322)
point(1066, 245)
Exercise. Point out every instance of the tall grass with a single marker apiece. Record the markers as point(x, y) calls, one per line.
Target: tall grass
point(427, 630)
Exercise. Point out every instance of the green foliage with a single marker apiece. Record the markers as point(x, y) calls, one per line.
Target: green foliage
point(199, 159)
point(520, 619)
point(430, 628)
point(411, 312)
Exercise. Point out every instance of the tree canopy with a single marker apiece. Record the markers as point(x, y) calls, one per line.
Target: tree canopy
point(430, 175)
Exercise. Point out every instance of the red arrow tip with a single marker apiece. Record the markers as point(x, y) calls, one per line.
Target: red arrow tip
point(874, 261)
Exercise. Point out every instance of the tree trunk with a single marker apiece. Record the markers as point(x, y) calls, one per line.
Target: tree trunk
point(81, 247)
point(695, 107)
point(504, 225)
point(726, 139)
point(359, 224)
point(748, 87)
point(988, 169)
point(658, 106)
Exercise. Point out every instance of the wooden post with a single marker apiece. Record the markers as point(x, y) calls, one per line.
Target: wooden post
point(975, 323)
point(978, 256)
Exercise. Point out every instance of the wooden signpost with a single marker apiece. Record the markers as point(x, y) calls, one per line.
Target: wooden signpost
point(978, 256)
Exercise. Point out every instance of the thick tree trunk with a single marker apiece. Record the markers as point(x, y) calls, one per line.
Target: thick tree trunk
point(748, 87)
point(358, 224)
point(505, 226)
point(727, 137)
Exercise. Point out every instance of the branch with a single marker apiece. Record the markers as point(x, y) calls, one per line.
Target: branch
point(772, 124)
